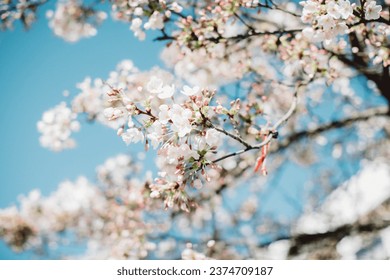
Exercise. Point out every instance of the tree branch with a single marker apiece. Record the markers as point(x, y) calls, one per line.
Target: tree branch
point(252, 33)
point(381, 79)
point(249, 34)
point(283, 144)
point(368, 224)
point(276, 7)
point(28, 5)
point(357, 117)
point(235, 137)
point(272, 130)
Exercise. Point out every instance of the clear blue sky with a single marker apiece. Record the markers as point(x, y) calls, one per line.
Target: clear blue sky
point(35, 68)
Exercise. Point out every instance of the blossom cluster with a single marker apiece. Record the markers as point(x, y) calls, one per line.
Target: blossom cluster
point(213, 24)
point(109, 217)
point(111, 222)
point(73, 21)
point(144, 14)
point(56, 127)
point(331, 18)
point(93, 99)
point(180, 132)
point(38, 217)
point(328, 19)
point(116, 170)
point(14, 10)
point(185, 124)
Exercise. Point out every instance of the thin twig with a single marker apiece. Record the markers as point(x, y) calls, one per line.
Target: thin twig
point(357, 117)
point(274, 128)
point(235, 137)
point(276, 7)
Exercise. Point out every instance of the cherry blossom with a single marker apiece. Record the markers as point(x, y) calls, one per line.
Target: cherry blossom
point(372, 10)
point(56, 127)
point(156, 21)
point(132, 135)
point(328, 19)
point(345, 9)
point(136, 24)
point(69, 22)
point(190, 91)
point(333, 9)
point(155, 85)
point(180, 120)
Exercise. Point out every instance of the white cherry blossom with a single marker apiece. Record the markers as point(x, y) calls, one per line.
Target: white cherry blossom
point(156, 21)
point(56, 127)
point(155, 133)
point(155, 85)
point(136, 27)
point(164, 114)
point(372, 11)
point(166, 92)
point(333, 9)
point(213, 137)
point(190, 91)
point(69, 21)
point(176, 7)
point(345, 9)
point(180, 120)
point(327, 22)
point(132, 135)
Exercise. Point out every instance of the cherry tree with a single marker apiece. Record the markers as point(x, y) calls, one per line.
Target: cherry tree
point(252, 93)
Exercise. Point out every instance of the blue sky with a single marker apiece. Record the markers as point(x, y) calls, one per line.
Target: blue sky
point(35, 68)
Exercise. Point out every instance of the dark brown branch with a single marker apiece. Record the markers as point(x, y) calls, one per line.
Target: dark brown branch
point(291, 139)
point(357, 117)
point(238, 37)
point(327, 241)
point(365, 21)
point(243, 21)
point(380, 78)
point(252, 33)
point(323, 245)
